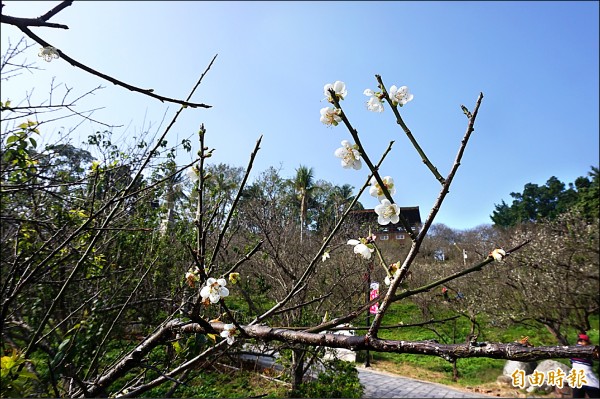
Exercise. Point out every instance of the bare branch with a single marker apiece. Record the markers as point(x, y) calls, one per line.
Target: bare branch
point(77, 64)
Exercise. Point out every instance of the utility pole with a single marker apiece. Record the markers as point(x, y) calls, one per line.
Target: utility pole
point(464, 254)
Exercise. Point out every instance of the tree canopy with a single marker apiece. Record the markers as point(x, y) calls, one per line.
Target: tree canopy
point(554, 198)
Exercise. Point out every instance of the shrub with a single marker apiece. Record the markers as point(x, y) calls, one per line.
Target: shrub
point(339, 380)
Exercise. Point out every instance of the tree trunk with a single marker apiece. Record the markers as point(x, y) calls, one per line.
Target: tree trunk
point(555, 331)
point(297, 368)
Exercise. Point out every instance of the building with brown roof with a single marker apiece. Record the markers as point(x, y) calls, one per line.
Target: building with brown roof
point(390, 234)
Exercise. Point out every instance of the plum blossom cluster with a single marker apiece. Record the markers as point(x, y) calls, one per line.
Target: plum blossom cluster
point(331, 116)
point(214, 290)
point(48, 53)
point(398, 96)
point(193, 173)
point(375, 103)
point(229, 332)
point(192, 276)
point(498, 254)
point(386, 211)
point(377, 191)
point(393, 272)
point(349, 154)
point(363, 246)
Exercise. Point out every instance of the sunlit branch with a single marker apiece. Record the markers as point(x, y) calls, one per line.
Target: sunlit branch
point(24, 23)
point(408, 132)
point(374, 170)
point(414, 250)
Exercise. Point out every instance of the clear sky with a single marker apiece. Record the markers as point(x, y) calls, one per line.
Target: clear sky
point(537, 64)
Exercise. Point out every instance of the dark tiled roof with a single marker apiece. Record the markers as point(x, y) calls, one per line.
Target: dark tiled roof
point(411, 213)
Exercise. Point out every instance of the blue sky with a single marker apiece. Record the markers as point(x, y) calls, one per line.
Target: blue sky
point(535, 62)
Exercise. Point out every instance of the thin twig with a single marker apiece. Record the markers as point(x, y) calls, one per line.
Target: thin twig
point(408, 132)
point(77, 64)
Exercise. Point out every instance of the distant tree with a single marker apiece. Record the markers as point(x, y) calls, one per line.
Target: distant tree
point(537, 203)
point(588, 200)
point(553, 281)
point(303, 184)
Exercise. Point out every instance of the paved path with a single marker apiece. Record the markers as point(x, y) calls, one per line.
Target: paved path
point(385, 385)
point(380, 384)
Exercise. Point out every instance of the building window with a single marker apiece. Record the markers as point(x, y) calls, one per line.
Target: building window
point(384, 237)
point(399, 236)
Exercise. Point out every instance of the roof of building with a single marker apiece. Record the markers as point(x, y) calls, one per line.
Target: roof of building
point(410, 213)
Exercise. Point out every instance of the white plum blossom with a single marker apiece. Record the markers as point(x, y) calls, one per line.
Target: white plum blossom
point(387, 212)
point(193, 173)
point(349, 154)
point(338, 87)
point(48, 53)
point(377, 191)
point(229, 331)
point(498, 254)
point(192, 276)
point(214, 289)
point(330, 116)
point(400, 96)
point(375, 103)
point(394, 271)
point(361, 248)
point(325, 256)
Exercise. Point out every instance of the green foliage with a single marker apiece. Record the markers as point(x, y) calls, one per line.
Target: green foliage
point(537, 203)
point(227, 383)
point(15, 379)
point(18, 158)
point(339, 380)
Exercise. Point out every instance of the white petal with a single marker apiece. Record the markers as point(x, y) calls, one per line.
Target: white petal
point(222, 282)
point(353, 242)
point(368, 92)
point(223, 292)
point(340, 152)
point(205, 292)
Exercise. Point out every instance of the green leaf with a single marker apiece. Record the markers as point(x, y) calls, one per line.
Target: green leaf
point(33, 142)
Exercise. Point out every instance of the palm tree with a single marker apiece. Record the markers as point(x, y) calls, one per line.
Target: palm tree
point(303, 184)
point(173, 194)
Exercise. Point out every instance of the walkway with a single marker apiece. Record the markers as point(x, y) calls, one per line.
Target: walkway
point(379, 384)
point(385, 385)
